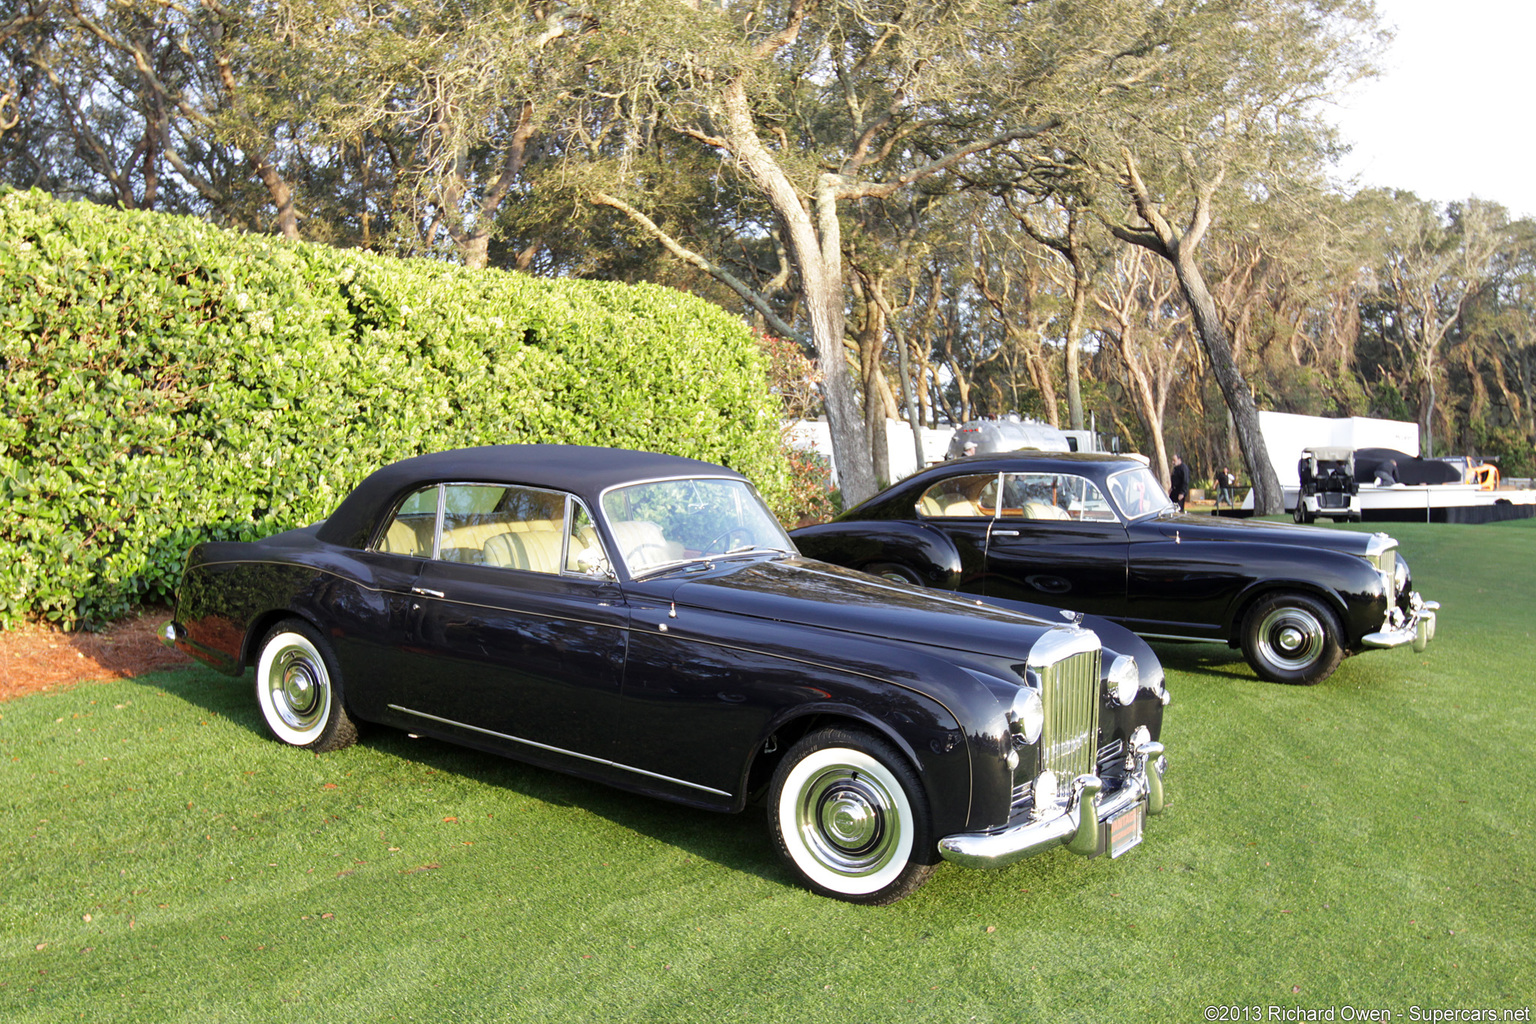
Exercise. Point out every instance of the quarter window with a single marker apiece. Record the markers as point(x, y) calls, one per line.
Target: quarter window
point(411, 530)
point(966, 497)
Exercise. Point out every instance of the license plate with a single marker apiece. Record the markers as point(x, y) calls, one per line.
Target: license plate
point(1125, 830)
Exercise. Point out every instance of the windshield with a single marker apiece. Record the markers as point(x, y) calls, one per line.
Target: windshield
point(1137, 493)
point(668, 522)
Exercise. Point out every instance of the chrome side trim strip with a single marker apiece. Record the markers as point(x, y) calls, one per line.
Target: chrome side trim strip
point(557, 750)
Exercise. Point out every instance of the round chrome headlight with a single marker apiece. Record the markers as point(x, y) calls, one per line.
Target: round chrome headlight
point(1027, 716)
point(1124, 679)
point(1400, 576)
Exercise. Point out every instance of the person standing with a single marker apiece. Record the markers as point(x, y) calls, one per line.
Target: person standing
point(1224, 488)
point(1178, 483)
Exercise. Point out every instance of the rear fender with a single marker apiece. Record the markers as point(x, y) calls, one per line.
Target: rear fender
point(917, 546)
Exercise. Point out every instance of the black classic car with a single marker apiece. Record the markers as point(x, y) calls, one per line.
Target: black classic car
point(1097, 533)
point(643, 620)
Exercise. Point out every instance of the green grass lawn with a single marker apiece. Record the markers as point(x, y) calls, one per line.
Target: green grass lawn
point(1365, 843)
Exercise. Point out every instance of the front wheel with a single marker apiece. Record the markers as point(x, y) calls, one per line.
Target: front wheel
point(851, 819)
point(1292, 638)
point(298, 689)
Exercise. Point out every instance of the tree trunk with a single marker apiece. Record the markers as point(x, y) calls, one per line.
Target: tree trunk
point(1082, 283)
point(1179, 249)
point(816, 249)
point(1268, 498)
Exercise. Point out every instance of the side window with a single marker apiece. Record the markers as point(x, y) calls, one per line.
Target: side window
point(511, 527)
point(493, 524)
point(411, 530)
point(960, 496)
point(1053, 496)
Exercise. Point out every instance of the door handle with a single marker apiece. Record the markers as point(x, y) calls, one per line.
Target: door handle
point(425, 592)
point(1005, 533)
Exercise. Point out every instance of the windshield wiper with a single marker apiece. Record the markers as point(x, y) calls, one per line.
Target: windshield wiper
point(663, 568)
point(752, 549)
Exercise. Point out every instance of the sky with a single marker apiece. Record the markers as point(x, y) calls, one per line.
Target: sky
point(1451, 115)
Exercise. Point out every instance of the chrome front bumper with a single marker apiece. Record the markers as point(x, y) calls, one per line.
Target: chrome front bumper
point(1417, 627)
point(1080, 827)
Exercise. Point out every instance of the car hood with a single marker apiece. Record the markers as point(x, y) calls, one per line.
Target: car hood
point(818, 595)
point(1252, 531)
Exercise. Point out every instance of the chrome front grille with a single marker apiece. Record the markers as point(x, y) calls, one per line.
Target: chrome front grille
point(1065, 663)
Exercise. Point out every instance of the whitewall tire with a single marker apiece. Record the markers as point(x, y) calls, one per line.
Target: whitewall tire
point(298, 689)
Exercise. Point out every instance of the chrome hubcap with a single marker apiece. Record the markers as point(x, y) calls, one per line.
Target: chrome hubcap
point(1291, 638)
point(846, 822)
point(298, 688)
point(850, 821)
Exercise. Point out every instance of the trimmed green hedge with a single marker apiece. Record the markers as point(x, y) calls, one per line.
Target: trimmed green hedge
point(163, 382)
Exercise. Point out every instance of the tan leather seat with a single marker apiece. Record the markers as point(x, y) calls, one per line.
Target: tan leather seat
point(532, 550)
point(1041, 510)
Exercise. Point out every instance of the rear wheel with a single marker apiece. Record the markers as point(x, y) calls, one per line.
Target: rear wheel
point(1292, 638)
point(298, 689)
point(851, 819)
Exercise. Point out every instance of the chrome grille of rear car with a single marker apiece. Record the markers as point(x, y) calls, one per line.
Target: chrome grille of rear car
point(1381, 551)
point(1068, 673)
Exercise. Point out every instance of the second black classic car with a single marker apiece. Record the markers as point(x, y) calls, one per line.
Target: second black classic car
point(1097, 533)
point(643, 620)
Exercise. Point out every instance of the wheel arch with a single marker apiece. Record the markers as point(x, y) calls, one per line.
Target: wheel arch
point(1261, 589)
point(797, 723)
point(257, 629)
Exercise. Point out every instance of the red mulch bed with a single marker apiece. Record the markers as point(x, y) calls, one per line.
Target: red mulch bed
point(36, 658)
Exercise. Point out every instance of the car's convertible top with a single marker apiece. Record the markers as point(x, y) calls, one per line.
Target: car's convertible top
point(583, 471)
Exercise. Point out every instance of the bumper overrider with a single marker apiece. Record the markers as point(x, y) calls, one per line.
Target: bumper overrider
point(1083, 826)
point(1415, 626)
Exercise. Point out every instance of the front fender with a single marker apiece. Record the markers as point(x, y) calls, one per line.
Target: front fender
point(1360, 603)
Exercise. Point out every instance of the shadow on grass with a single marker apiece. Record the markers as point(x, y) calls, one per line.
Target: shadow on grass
point(1217, 661)
point(740, 842)
point(1206, 659)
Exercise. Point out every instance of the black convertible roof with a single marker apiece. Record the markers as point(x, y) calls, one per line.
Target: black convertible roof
point(583, 471)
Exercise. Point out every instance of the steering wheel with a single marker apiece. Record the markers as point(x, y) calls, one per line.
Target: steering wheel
point(721, 544)
point(646, 553)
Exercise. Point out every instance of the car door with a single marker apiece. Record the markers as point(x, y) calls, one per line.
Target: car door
point(1182, 582)
point(1056, 541)
point(517, 637)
